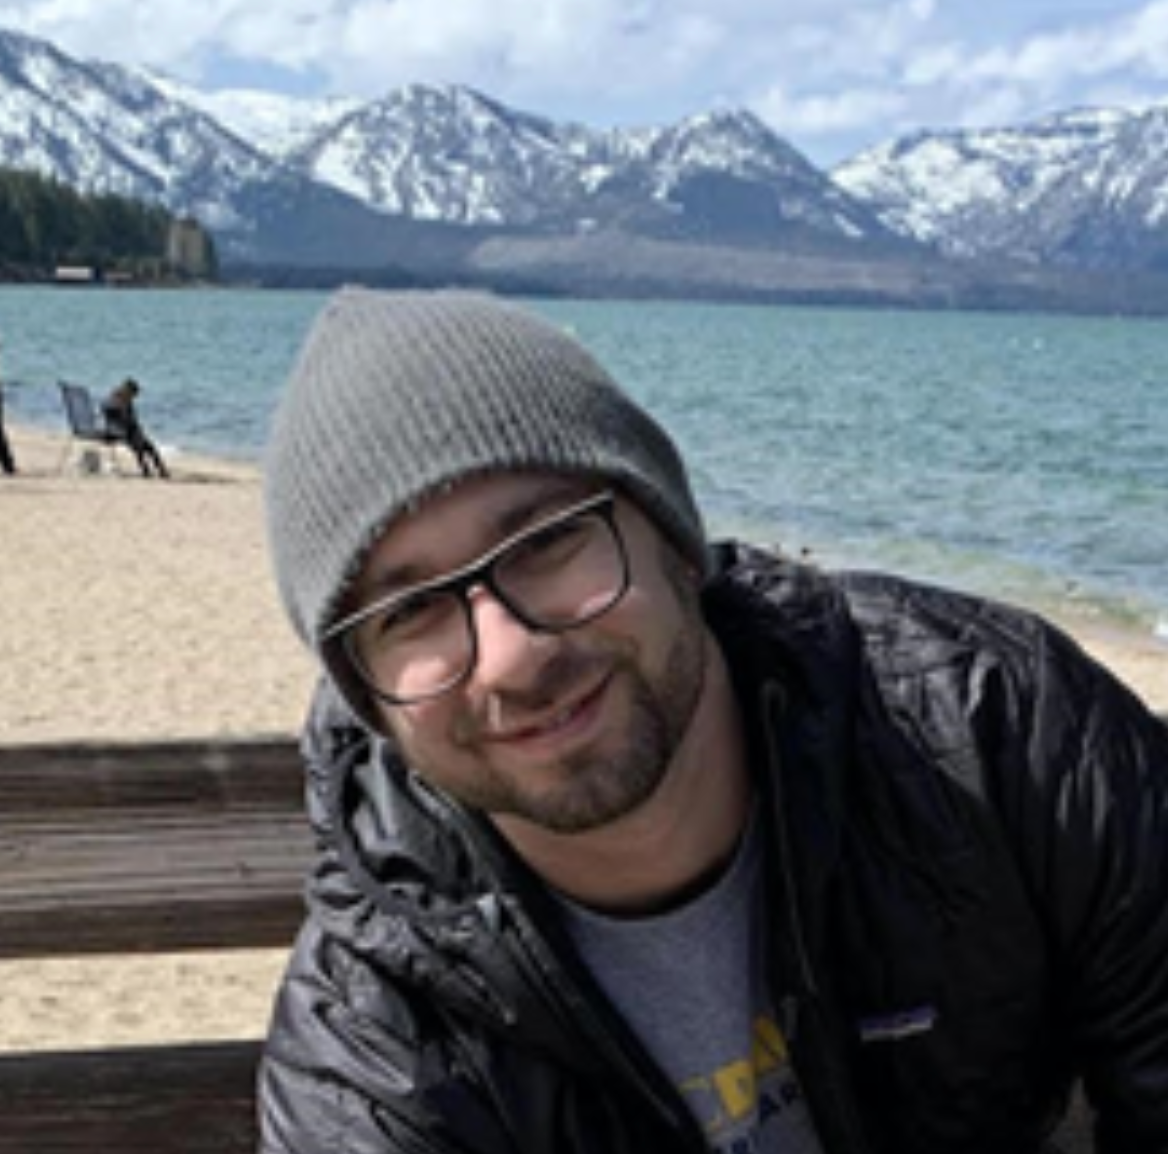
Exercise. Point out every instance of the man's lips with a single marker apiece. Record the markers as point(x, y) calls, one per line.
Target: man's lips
point(566, 720)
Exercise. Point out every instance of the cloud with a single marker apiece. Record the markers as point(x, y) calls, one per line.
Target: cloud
point(170, 35)
point(1126, 47)
point(824, 114)
point(606, 53)
point(374, 44)
point(827, 73)
point(920, 71)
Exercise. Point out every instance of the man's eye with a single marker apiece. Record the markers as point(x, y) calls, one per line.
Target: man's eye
point(552, 546)
point(413, 616)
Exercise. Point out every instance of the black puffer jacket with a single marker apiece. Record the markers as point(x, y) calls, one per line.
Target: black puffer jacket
point(969, 865)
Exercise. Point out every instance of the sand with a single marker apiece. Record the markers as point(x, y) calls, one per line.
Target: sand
point(138, 609)
point(133, 608)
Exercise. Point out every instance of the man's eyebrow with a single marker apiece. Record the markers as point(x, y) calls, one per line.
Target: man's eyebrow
point(545, 502)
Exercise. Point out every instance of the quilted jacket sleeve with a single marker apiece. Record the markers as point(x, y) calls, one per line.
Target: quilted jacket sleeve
point(348, 1068)
point(353, 1063)
point(1093, 822)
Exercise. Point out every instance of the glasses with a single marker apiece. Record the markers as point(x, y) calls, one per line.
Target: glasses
point(553, 576)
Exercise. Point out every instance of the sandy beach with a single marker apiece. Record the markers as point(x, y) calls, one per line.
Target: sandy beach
point(138, 609)
point(145, 609)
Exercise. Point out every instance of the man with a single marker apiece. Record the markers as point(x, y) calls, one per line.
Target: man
point(120, 409)
point(630, 843)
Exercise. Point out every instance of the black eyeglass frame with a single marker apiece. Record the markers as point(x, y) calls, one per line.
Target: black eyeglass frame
point(480, 572)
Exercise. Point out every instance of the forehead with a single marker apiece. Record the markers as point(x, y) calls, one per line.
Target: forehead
point(451, 528)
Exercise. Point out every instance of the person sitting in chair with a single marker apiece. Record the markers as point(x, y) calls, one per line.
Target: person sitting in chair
point(121, 418)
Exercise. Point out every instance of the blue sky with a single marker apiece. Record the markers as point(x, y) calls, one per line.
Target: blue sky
point(832, 76)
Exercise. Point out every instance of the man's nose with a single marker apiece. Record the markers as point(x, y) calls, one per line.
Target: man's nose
point(510, 653)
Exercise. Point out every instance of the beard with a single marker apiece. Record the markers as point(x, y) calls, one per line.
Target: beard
point(588, 789)
point(592, 789)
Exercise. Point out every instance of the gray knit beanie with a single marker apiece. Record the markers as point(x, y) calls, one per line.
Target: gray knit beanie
point(396, 396)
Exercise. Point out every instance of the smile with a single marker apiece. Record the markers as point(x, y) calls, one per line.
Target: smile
point(569, 722)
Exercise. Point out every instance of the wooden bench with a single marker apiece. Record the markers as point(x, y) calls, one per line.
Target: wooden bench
point(152, 848)
point(144, 849)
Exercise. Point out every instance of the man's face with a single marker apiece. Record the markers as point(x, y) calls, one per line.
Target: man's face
point(570, 730)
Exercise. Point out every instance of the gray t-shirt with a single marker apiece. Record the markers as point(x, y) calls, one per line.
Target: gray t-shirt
point(692, 985)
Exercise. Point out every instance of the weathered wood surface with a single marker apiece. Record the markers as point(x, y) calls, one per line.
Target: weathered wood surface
point(148, 848)
point(196, 1099)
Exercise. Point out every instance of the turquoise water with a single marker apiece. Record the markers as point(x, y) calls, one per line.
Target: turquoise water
point(1023, 456)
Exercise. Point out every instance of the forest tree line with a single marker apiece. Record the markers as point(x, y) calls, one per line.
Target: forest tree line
point(46, 225)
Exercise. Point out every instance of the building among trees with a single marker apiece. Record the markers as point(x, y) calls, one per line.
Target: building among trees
point(46, 226)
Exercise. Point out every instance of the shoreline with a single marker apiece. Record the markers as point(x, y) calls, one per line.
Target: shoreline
point(135, 609)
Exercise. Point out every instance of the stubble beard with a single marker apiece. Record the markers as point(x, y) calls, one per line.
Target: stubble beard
point(587, 790)
point(595, 788)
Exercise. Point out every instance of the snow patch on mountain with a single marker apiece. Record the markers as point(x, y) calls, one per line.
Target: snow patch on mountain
point(1077, 187)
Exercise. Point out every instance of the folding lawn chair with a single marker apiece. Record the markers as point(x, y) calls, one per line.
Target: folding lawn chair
point(88, 430)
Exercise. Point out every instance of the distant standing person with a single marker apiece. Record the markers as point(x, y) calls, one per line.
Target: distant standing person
point(7, 463)
point(121, 417)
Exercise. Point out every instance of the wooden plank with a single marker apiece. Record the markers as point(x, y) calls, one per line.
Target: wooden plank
point(191, 1099)
point(41, 779)
point(150, 848)
point(142, 886)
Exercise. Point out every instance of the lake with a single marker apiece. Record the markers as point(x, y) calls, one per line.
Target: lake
point(1024, 456)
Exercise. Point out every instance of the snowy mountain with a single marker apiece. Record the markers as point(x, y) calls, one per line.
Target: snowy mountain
point(443, 183)
point(103, 128)
point(273, 123)
point(1087, 188)
point(448, 154)
point(436, 154)
point(451, 154)
point(728, 174)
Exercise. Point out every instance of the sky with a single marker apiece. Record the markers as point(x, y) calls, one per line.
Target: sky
point(831, 76)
